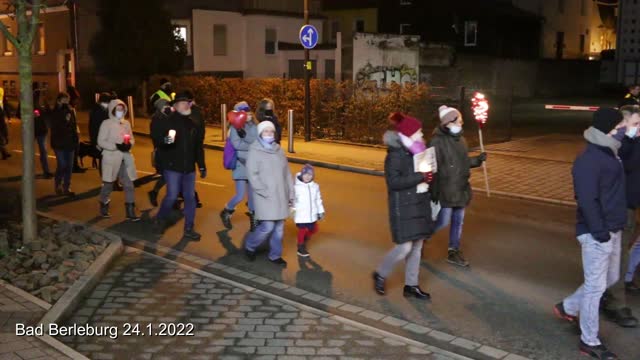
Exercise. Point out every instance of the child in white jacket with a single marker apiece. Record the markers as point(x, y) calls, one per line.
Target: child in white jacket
point(308, 207)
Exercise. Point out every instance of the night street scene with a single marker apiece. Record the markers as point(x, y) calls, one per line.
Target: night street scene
point(319, 179)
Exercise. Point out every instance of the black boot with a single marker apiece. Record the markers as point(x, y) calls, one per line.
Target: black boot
point(253, 221)
point(378, 283)
point(104, 210)
point(198, 203)
point(153, 198)
point(190, 234)
point(225, 216)
point(131, 212)
point(415, 291)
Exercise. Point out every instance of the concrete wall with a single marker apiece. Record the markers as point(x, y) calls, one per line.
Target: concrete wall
point(385, 58)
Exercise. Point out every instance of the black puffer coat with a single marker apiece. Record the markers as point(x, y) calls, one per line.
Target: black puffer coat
point(64, 130)
point(409, 212)
point(451, 186)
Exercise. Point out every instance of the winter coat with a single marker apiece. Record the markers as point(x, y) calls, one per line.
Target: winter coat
point(451, 184)
point(409, 211)
point(157, 118)
point(64, 128)
point(241, 145)
point(630, 156)
point(187, 151)
point(97, 115)
point(270, 177)
point(308, 201)
point(112, 132)
point(599, 185)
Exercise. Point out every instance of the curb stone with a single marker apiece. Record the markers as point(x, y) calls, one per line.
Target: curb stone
point(353, 314)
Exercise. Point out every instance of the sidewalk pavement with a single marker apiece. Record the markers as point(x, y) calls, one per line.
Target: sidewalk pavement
point(536, 168)
point(221, 319)
point(16, 308)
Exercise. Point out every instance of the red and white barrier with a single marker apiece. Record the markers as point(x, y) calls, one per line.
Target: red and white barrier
point(571, 107)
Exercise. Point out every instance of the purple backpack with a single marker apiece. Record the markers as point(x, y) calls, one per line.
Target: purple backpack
point(229, 156)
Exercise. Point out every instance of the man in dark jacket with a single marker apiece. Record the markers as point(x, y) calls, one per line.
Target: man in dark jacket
point(180, 150)
point(599, 185)
point(451, 187)
point(41, 129)
point(614, 302)
point(64, 141)
point(97, 115)
point(161, 116)
point(633, 97)
point(165, 92)
point(409, 206)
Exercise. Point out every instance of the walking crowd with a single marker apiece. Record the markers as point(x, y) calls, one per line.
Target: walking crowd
point(420, 202)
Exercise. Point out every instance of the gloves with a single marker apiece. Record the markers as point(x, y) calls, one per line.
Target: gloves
point(203, 173)
point(320, 216)
point(123, 147)
point(169, 140)
point(242, 133)
point(482, 157)
point(428, 177)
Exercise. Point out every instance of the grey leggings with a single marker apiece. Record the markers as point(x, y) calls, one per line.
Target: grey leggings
point(412, 253)
point(127, 185)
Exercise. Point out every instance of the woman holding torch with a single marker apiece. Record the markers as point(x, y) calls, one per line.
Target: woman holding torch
point(116, 139)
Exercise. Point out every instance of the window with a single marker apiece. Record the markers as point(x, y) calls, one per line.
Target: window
point(8, 46)
point(470, 33)
point(583, 7)
point(405, 29)
point(182, 31)
point(561, 6)
point(39, 44)
point(219, 40)
point(335, 29)
point(270, 41)
point(582, 43)
point(359, 25)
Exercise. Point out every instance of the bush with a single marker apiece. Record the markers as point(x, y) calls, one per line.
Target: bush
point(339, 110)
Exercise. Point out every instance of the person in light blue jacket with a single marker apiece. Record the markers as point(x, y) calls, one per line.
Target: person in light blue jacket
point(241, 138)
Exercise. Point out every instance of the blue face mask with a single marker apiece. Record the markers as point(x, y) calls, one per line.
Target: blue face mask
point(269, 139)
point(632, 132)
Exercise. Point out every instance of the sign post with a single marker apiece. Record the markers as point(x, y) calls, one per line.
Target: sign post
point(309, 37)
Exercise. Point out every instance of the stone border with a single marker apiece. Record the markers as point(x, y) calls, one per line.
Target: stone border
point(313, 310)
point(309, 301)
point(36, 300)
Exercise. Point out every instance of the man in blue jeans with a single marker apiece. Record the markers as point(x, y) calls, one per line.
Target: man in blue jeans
point(64, 140)
point(180, 150)
point(599, 185)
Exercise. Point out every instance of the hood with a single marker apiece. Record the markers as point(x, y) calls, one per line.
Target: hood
point(112, 106)
point(392, 139)
point(599, 138)
point(300, 182)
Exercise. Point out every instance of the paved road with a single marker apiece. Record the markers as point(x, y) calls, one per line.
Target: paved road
point(524, 257)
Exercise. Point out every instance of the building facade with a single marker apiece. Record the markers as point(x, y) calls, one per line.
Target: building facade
point(628, 50)
point(53, 60)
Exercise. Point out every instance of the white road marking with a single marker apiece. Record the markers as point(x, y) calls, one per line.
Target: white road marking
point(37, 154)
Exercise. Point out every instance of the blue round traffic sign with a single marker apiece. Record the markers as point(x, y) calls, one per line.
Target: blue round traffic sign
point(309, 36)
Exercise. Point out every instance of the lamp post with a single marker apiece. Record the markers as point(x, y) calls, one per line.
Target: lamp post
point(307, 85)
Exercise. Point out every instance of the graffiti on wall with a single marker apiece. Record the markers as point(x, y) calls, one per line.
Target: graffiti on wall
point(386, 75)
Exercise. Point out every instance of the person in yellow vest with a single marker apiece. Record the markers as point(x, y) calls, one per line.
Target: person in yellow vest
point(633, 97)
point(165, 93)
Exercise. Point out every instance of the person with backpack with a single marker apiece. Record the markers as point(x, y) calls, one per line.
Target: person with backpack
point(243, 133)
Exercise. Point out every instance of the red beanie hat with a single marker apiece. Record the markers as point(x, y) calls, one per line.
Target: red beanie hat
point(408, 125)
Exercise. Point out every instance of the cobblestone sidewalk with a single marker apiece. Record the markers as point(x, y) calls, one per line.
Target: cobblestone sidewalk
point(229, 321)
point(17, 309)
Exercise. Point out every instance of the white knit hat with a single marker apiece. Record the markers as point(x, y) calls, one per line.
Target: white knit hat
point(448, 114)
point(265, 125)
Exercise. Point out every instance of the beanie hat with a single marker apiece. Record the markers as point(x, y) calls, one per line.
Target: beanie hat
point(448, 114)
point(265, 125)
point(308, 169)
point(183, 96)
point(242, 106)
point(407, 125)
point(606, 119)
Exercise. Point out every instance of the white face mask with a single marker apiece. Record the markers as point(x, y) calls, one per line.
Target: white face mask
point(632, 132)
point(455, 129)
point(119, 114)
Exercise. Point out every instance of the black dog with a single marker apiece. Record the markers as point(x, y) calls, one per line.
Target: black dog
point(86, 149)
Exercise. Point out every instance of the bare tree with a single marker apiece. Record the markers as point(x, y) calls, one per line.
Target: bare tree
point(22, 41)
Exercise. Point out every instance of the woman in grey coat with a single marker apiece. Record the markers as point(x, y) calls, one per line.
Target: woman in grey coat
point(241, 137)
point(270, 178)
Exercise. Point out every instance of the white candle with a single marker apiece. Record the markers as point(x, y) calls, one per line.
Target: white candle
point(172, 134)
point(424, 167)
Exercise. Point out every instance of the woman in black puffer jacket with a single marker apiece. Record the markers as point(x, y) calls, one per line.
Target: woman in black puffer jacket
point(409, 205)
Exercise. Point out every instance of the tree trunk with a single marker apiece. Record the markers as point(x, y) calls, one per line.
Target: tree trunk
point(30, 228)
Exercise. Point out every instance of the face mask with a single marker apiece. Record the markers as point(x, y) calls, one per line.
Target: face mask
point(619, 135)
point(119, 114)
point(632, 132)
point(104, 105)
point(455, 129)
point(269, 139)
point(268, 112)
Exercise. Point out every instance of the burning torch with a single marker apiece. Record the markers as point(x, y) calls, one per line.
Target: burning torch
point(480, 107)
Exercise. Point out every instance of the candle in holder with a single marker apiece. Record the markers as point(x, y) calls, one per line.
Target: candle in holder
point(172, 135)
point(127, 138)
point(424, 167)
